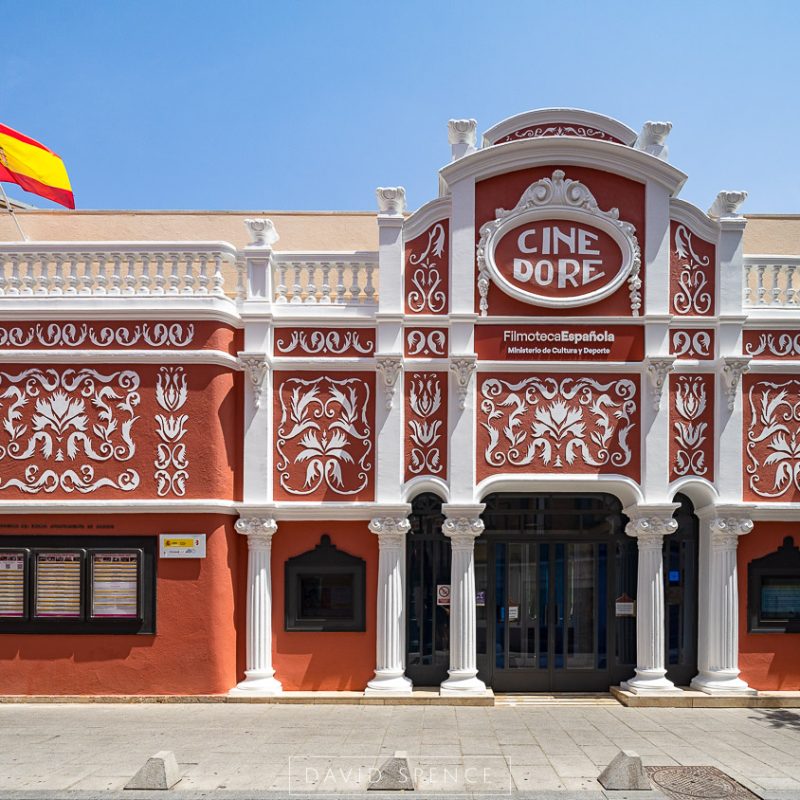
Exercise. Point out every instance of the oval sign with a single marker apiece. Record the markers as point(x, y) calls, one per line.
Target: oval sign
point(559, 261)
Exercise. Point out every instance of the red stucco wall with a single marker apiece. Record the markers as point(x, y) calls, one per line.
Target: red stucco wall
point(198, 614)
point(323, 661)
point(768, 661)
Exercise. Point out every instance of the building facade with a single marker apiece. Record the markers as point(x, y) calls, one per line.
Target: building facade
point(541, 434)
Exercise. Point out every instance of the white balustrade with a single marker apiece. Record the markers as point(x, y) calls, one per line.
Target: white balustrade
point(181, 269)
point(771, 282)
point(81, 269)
point(325, 278)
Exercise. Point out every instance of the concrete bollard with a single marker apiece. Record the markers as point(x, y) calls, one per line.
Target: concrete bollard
point(159, 772)
point(395, 775)
point(625, 772)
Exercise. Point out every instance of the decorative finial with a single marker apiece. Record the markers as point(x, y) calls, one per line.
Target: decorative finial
point(391, 200)
point(262, 232)
point(727, 204)
point(462, 135)
point(653, 139)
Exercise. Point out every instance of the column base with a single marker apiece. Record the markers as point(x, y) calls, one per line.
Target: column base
point(257, 683)
point(720, 681)
point(650, 681)
point(388, 680)
point(462, 681)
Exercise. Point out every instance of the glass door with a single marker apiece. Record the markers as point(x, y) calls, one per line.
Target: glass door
point(548, 613)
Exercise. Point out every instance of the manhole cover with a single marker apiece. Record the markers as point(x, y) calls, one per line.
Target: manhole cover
point(688, 783)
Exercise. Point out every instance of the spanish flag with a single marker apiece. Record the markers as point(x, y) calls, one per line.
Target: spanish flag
point(32, 166)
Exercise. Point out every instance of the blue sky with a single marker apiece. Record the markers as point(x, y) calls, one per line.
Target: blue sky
point(311, 105)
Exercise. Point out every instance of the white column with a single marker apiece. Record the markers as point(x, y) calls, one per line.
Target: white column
point(391, 639)
point(649, 526)
point(462, 526)
point(718, 645)
point(259, 676)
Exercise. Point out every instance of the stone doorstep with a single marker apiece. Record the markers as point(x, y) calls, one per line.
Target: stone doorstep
point(422, 697)
point(688, 698)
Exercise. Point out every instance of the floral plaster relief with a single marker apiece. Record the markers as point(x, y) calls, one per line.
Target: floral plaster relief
point(559, 424)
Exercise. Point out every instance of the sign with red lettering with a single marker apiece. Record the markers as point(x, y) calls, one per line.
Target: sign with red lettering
point(559, 342)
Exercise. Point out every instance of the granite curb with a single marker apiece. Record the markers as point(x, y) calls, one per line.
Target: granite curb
point(224, 794)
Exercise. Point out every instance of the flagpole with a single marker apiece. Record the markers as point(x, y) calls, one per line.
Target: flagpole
point(13, 215)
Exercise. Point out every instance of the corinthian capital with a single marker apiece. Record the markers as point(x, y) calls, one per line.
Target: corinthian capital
point(725, 531)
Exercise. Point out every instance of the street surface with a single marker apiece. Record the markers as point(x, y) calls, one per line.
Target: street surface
point(311, 748)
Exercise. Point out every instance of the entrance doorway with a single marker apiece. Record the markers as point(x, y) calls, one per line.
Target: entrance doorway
point(555, 590)
point(680, 594)
point(427, 571)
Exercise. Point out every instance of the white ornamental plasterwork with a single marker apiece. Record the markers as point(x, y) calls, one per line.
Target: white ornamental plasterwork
point(782, 345)
point(63, 418)
point(658, 367)
point(171, 462)
point(556, 198)
point(68, 334)
point(389, 368)
point(650, 529)
point(429, 343)
point(773, 437)
point(693, 292)
point(425, 432)
point(733, 367)
point(255, 366)
point(321, 342)
point(463, 368)
point(557, 130)
point(556, 423)
point(324, 422)
point(686, 344)
point(427, 295)
point(691, 403)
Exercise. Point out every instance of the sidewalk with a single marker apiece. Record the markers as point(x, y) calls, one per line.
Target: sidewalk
point(257, 749)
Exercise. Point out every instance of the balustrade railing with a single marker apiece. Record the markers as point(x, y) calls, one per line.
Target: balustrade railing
point(80, 269)
point(771, 282)
point(325, 278)
point(109, 269)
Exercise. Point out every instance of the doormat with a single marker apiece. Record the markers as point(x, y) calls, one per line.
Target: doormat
point(691, 783)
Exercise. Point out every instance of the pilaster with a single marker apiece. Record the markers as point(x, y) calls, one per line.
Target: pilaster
point(389, 346)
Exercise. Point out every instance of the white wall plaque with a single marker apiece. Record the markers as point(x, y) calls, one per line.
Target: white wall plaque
point(182, 545)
